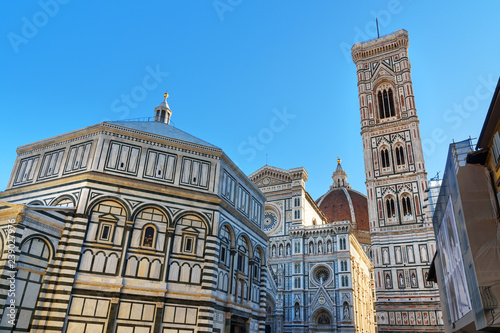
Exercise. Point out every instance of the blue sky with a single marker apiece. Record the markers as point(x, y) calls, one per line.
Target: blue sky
point(255, 78)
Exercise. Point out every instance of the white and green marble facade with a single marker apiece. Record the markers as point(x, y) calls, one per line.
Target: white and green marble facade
point(120, 227)
point(312, 263)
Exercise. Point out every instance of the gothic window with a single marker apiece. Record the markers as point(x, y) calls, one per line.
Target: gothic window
point(390, 206)
point(148, 236)
point(384, 155)
point(406, 206)
point(344, 281)
point(342, 244)
point(386, 103)
point(391, 103)
point(400, 157)
point(297, 246)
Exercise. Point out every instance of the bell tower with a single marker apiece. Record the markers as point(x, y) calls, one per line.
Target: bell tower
point(402, 236)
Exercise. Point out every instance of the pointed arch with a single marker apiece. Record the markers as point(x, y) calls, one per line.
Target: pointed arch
point(321, 316)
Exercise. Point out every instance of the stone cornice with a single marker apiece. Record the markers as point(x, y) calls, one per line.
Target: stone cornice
point(117, 131)
point(389, 125)
point(375, 47)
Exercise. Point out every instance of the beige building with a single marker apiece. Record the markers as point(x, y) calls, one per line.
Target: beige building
point(467, 230)
point(131, 226)
point(321, 278)
point(402, 236)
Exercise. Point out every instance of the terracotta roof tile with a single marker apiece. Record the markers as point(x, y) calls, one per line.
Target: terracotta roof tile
point(335, 206)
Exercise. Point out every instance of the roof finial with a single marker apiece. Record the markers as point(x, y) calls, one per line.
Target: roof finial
point(162, 111)
point(338, 159)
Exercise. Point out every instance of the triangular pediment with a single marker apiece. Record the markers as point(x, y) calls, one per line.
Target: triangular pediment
point(191, 230)
point(384, 70)
point(108, 216)
point(268, 176)
point(322, 299)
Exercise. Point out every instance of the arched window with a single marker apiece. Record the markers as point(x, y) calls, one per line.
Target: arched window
point(406, 206)
point(148, 236)
point(386, 103)
point(384, 155)
point(381, 105)
point(391, 103)
point(391, 210)
point(343, 265)
point(342, 244)
point(400, 156)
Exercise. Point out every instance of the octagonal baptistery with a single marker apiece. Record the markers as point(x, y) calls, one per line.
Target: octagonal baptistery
point(341, 203)
point(131, 226)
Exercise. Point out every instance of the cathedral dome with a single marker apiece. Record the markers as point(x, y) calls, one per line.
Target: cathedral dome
point(341, 203)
